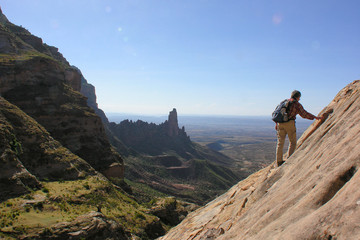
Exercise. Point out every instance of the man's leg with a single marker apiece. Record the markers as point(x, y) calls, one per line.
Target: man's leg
point(281, 134)
point(291, 131)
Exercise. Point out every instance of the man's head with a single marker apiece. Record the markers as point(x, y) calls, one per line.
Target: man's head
point(296, 95)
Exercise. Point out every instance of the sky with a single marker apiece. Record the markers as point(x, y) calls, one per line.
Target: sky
point(202, 57)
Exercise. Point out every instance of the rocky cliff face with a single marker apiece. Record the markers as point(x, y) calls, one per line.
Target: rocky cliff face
point(39, 80)
point(314, 195)
point(30, 154)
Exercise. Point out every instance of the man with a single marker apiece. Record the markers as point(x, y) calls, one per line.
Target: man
point(288, 128)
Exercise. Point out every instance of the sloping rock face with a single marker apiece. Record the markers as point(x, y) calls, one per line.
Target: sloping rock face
point(36, 78)
point(28, 154)
point(314, 195)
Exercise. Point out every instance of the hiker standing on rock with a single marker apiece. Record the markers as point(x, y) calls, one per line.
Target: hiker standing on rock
point(284, 116)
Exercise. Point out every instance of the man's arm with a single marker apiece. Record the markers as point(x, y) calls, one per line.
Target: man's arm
point(304, 114)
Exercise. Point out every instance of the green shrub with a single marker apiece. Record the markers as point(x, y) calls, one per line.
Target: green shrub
point(16, 146)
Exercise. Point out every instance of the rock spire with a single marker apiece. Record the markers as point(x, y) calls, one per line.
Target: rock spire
point(173, 126)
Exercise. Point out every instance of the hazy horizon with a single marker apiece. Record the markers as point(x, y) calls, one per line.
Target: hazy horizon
point(184, 119)
point(184, 114)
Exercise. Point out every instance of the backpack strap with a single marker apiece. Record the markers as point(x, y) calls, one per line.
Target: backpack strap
point(291, 102)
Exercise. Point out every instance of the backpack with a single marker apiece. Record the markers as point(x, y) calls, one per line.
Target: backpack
point(281, 112)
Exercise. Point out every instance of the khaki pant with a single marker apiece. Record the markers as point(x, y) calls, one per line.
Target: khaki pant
point(286, 128)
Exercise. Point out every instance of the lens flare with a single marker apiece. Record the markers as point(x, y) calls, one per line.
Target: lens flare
point(277, 19)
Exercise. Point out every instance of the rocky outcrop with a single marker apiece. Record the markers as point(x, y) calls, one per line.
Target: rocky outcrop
point(93, 225)
point(153, 139)
point(314, 195)
point(36, 78)
point(28, 154)
point(172, 211)
point(3, 18)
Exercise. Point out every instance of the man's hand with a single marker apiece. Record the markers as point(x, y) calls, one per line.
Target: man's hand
point(319, 118)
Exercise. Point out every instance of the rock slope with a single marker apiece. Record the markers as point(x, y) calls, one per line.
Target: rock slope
point(28, 154)
point(314, 195)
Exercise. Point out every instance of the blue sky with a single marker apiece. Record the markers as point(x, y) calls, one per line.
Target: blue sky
point(207, 57)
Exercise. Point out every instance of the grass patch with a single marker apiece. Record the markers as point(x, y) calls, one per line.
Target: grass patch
point(24, 56)
point(66, 200)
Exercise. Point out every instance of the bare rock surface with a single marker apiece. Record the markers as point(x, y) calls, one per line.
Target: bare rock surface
point(314, 195)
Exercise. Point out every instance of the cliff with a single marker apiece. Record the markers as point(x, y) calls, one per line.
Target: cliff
point(314, 195)
point(37, 78)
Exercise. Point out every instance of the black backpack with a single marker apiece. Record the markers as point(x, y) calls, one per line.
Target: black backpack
point(281, 113)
